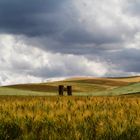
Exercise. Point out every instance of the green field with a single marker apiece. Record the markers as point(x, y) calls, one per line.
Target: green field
point(81, 87)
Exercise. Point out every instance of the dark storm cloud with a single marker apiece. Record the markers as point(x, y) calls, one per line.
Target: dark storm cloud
point(30, 17)
point(126, 60)
point(51, 18)
point(78, 35)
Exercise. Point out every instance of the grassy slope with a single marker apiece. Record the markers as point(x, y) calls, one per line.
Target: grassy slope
point(81, 86)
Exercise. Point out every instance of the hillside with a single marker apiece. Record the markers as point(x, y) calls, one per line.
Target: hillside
point(81, 86)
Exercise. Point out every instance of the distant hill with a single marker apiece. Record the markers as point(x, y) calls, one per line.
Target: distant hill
point(81, 86)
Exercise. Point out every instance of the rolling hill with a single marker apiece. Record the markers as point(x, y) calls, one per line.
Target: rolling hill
point(82, 86)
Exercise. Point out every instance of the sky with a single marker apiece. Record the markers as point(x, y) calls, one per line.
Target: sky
point(42, 40)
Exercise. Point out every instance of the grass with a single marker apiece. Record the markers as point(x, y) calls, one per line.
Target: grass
point(81, 86)
point(19, 92)
point(69, 118)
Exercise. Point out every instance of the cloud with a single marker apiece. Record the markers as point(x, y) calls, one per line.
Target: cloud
point(41, 39)
point(132, 7)
point(20, 63)
point(89, 27)
point(31, 18)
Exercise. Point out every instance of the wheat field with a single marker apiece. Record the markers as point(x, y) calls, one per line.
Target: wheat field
point(69, 118)
point(81, 87)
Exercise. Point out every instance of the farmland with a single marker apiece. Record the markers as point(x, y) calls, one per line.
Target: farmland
point(69, 118)
point(81, 87)
point(101, 109)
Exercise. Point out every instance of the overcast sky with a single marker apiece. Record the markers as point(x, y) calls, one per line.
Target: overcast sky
point(43, 39)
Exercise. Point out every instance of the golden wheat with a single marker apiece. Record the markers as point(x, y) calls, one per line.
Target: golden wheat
point(69, 118)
